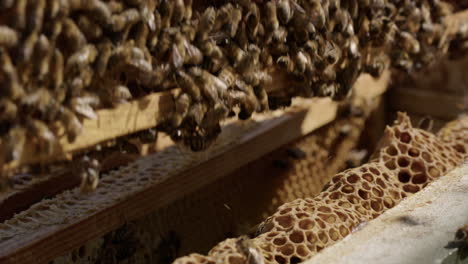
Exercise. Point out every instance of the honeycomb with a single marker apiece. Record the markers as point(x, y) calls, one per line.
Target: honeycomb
point(455, 135)
point(407, 160)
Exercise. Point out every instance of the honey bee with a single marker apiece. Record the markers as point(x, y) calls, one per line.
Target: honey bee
point(332, 52)
point(193, 55)
point(341, 21)
point(75, 38)
point(81, 58)
point(252, 19)
point(85, 105)
point(272, 22)
point(196, 113)
point(116, 6)
point(227, 76)
point(206, 24)
point(105, 52)
point(88, 171)
point(402, 61)
point(197, 139)
point(40, 130)
point(125, 19)
point(27, 50)
point(166, 8)
point(72, 124)
point(8, 37)
point(235, 17)
point(100, 10)
point(408, 42)
point(8, 110)
point(244, 96)
point(262, 97)
point(119, 94)
point(280, 35)
point(460, 242)
point(286, 62)
point(89, 28)
point(178, 14)
point(11, 85)
point(36, 19)
point(211, 50)
point(14, 143)
point(214, 116)
point(182, 105)
point(302, 61)
point(56, 67)
point(211, 86)
point(247, 248)
point(376, 67)
point(352, 48)
point(284, 11)
point(250, 59)
point(234, 52)
point(187, 84)
point(265, 57)
point(42, 57)
point(20, 14)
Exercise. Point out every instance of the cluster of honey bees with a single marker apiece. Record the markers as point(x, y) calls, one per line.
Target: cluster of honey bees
point(62, 60)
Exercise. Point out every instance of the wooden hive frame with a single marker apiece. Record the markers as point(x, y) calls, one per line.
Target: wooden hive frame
point(142, 114)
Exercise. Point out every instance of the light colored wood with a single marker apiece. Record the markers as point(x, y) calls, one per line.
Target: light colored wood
point(271, 131)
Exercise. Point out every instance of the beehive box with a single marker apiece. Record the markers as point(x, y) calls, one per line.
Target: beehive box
point(130, 66)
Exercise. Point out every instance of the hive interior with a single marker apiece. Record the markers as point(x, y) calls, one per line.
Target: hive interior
point(408, 159)
point(62, 60)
